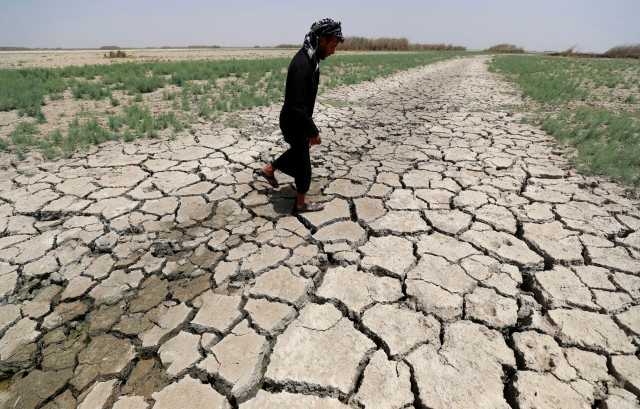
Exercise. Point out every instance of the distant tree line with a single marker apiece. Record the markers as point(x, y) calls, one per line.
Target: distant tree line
point(385, 44)
point(621, 51)
point(505, 48)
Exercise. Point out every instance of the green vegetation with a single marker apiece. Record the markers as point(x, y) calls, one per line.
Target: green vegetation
point(204, 89)
point(607, 142)
point(135, 122)
point(591, 104)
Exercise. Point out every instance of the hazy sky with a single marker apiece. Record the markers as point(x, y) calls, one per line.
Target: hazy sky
point(592, 25)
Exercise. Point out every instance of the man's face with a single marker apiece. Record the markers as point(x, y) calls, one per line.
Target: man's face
point(327, 46)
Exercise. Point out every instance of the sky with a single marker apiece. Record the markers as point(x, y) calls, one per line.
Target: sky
point(540, 25)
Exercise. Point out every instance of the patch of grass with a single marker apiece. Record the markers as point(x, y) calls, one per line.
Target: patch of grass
point(143, 84)
point(25, 89)
point(139, 120)
point(607, 142)
point(545, 80)
point(90, 90)
point(168, 119)
point(558, 80)
point(24, 134)
point(577, 101)
point(82, 135)
point(204, 108)
point(115, 122)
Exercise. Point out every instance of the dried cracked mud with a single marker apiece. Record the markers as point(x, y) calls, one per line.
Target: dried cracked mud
point(460, 262)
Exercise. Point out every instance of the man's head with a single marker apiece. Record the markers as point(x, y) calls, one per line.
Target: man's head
point(329, 34)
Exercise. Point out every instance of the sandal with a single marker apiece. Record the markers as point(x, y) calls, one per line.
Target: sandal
point(269, 178)
point(307, 207)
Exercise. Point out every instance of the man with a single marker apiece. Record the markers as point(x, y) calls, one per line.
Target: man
point(296, 120)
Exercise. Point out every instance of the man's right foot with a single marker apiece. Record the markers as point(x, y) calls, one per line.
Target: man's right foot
point(307, 207)
point(268, 177)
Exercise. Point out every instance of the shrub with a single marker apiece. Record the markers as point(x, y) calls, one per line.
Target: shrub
point(89, 90)
point(143, 83)
point(116, 54)
point(624, 51)
point(505, 48)
point(24, 134)
point(85, 134)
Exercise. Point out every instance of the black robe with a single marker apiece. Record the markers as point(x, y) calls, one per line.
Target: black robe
point(301, 88)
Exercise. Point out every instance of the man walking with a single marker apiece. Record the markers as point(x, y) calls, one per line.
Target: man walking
point(296, 120)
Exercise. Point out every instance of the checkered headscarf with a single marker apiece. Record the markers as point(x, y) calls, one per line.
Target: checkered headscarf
point(321, 28)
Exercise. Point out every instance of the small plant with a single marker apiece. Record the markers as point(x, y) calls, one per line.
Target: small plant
point(128, 136)
point(204, 109)
point(166, 119)
point(24, 134)
point(89, 90)
point(115, 122)
point(114, 101)
point(186, 104)
point(40, 118)
point(3, 145)
point(138, 98)
point(56, 137)
point(85, 134)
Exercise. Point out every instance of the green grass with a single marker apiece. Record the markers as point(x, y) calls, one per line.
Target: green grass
point(85, 130)
point(90, 90)
point(24, 134)
point(207, 89)
point(557, 80)
point(607, 142)
point(578, 102)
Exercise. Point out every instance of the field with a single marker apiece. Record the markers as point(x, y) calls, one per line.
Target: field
point(58, 110)
point(591, 104)
point(65, 58)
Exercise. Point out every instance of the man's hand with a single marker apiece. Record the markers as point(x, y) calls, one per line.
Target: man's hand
point(314, 140)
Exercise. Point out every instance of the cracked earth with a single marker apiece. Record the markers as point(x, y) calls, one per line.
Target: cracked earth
point(460, 262)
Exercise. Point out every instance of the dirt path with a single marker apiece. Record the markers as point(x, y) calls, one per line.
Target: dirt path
point(459, 263)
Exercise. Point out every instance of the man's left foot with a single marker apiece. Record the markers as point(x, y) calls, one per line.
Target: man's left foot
point(307, 207)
